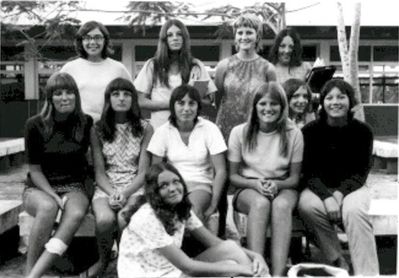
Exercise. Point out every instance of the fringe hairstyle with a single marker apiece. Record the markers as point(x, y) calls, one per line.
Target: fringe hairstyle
point(106, 125)
point(290, 87)
point(296, 55)
point(166, 213)
point(179, 93)
point(62, 81)
point(345, 88)
point(276, 92)
point(249, 20)
point(163, 57)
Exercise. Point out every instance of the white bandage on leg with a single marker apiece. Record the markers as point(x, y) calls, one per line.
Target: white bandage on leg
point(56, 246)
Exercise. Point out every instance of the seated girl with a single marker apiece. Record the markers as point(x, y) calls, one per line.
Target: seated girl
point(265, 157)
point(56, 143)
point(120, 162)
point(150, 245)
point(195, 146)
point(336, 162)
point(299, 98)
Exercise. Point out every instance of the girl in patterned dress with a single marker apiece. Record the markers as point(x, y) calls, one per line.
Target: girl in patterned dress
point(150, 245)
point(120, 140)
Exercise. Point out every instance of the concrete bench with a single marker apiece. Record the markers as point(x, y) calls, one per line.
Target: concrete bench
point(386, 156)
point(11, 152)
point(25, 222)
point(384, 216)
point(9, 211)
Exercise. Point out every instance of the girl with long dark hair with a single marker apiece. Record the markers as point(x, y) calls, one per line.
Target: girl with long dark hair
point(120, 163)
point(172, 66)
point(150, 245)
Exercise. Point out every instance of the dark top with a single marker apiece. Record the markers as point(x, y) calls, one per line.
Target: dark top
point(62, 159)
point(336, 158)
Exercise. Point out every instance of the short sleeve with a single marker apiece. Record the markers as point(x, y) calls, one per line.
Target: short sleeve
point(159, 141)
point(148, 230)
point(193, 222)
point(234, 153)
point(199, 72)
point(215, 141)
point(297, 145)
point(33, 142)
point(143, 81)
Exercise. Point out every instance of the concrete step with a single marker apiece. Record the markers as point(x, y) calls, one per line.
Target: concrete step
point(25, 222)
point(9, 211)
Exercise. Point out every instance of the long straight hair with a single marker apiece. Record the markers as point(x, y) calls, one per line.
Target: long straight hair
point(106, 125)
point(290, 87)
point(275, 92)
point(62, 81)
point(296, 55)
point(163, 56)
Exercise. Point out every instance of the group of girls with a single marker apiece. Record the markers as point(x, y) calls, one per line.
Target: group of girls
point(147, 208)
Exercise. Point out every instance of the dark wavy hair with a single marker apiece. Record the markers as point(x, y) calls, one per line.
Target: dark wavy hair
point(296, 55)
point(166, 213)
point(291, 86)
point(163, 57)
point(345, 88)
point(62, 81)
point(276, 92)
point(249, 20)
point(86, 28)
point(179, 93)
point(106, 125)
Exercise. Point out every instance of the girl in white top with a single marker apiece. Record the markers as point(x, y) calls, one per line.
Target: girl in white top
point(171, 66)
point(265, 156)
point(150, 245)
point(195, 146)
point(286, 55)
point(93, 70)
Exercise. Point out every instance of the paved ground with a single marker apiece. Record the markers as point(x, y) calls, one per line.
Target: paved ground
point(383, 186)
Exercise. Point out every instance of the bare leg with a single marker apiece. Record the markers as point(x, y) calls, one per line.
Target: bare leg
point(105, 228)
point(201, 201)
point(44, 208)
point(227, 250)
point(257, 207)
point(74, 212)
point(282, 208)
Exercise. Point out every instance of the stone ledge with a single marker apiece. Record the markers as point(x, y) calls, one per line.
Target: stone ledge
point(9, 211)
point(25, 221)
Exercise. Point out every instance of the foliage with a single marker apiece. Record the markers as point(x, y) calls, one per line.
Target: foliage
point(53, 15)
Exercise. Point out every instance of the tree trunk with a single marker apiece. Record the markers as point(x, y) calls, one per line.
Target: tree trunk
point(350, 67)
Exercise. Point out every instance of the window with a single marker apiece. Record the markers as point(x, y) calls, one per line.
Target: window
point(363, 53)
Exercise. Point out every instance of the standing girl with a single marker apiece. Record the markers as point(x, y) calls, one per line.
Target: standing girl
point(286, 55)
point(150, 245)
point(238, 76)
point(120, 163)
point(56, 143)
point(93, 70)
point(265, 156)
point(171, 67)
